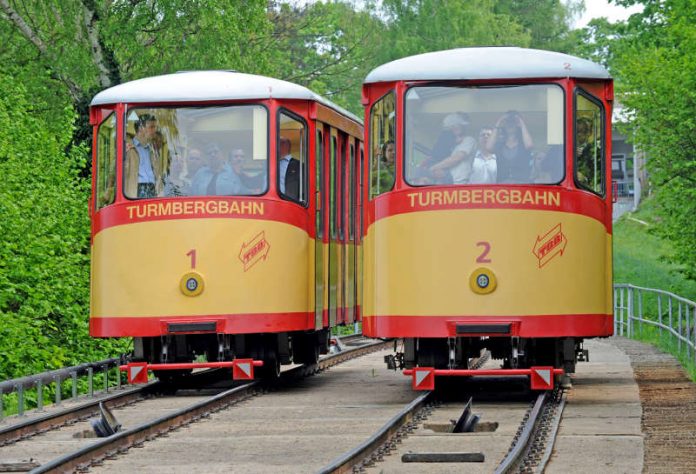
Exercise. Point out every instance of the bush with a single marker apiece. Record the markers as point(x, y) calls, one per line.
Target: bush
point(44, 259)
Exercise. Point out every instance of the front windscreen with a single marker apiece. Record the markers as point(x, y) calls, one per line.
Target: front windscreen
point(484, 135)
point(196, 151)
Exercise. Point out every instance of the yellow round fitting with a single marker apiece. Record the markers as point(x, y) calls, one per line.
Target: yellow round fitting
point(482, 281)
point(192, 284)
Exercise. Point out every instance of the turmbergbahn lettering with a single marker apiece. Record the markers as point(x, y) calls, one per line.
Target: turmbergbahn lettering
point(526, 197)
point(192, 208)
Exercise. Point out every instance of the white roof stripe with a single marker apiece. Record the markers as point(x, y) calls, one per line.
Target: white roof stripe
point(486, 63)
point(200, 86)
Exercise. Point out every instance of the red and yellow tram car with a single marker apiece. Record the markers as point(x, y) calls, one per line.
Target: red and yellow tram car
point(224, 220)
point(488, 213)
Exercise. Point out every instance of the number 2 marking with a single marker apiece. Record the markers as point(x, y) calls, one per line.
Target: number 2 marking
point(483, 258)
point(192, 254)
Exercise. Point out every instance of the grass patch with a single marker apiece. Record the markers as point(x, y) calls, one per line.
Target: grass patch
point(641, 258)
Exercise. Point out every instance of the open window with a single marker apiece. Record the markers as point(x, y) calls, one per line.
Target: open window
point(292, 158)
point(382, 145)
point(589, 143)
point(106, 162)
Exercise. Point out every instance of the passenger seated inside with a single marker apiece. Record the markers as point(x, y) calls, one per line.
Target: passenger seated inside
point(456, 168)
point(288, 170)
point(384, 168)
point(252, 183)
point(548, 165)
point(216, 177)
point(513, 145)
point(484, 168)
point(175, 182)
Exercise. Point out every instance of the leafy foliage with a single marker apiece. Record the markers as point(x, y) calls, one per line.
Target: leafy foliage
point(419, 26)
point(653, 56)
point(57, 54)
point(44, 260)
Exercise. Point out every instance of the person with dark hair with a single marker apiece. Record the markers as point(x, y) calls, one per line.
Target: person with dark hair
point(288, 170)
point(217, 177)
point(384, 168)
point(513, 145)
point(142, 168)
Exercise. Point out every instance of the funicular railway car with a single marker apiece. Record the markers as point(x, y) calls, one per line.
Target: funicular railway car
point(225, 221)
point(488, 214)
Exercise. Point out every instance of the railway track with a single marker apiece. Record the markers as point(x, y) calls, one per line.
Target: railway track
point(62, 447)
point(423, 436)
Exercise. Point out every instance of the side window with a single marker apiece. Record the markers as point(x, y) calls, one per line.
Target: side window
point(106, 162)
point(332, 188)
point(351, 191)
point(319, 160)
point(382, 145)
point(292, 158)
point(589, 143)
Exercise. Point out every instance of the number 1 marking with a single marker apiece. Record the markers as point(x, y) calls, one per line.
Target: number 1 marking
point(483, 258)
point(192, 254)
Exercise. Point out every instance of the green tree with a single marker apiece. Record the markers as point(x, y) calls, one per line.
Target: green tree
point(328, 47)
point(419, 26)
point(88, 45)
point(548, 22)
point(653, 56)
point(44, 282)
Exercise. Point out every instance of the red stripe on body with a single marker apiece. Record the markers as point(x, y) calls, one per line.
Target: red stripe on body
point(226, 323)
point(566, 325)
point(131, 212)
point(412, 200)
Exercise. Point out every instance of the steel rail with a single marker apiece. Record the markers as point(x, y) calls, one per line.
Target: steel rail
point(50, 421)
point(551, 437)
point(346, 462)
point(524, 439)
point(122, 441)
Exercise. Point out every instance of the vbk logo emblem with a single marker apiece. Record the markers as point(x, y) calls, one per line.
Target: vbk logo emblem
point(549, 245)
point(254, 251)
point(191, 284)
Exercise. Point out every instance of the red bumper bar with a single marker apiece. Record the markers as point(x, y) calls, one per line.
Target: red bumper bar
point(242, 369)
point(541, 377)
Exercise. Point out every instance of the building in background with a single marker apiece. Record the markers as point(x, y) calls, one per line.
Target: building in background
point(628, 170)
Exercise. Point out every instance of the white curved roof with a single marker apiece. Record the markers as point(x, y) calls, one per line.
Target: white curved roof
point(486, 63)
point(198, 86)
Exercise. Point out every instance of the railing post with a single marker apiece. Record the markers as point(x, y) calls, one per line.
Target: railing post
point(671, 326)
point(629, 319)
point(74, 385)
point(688, 332)
point(20, 399)
point(659, 313)
point(106, 378)
point(616, 313)
point(39, 395)
point(118, 377)
point(2, 407)
point(640, 312)
point(623, 311)
point(90, 389)
point(58, 390)
point(680, 326)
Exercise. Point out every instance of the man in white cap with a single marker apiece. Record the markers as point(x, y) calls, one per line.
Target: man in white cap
point(456, 168)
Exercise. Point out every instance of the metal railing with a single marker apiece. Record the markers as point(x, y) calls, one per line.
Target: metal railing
point(635, 306)
point(57, 377)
